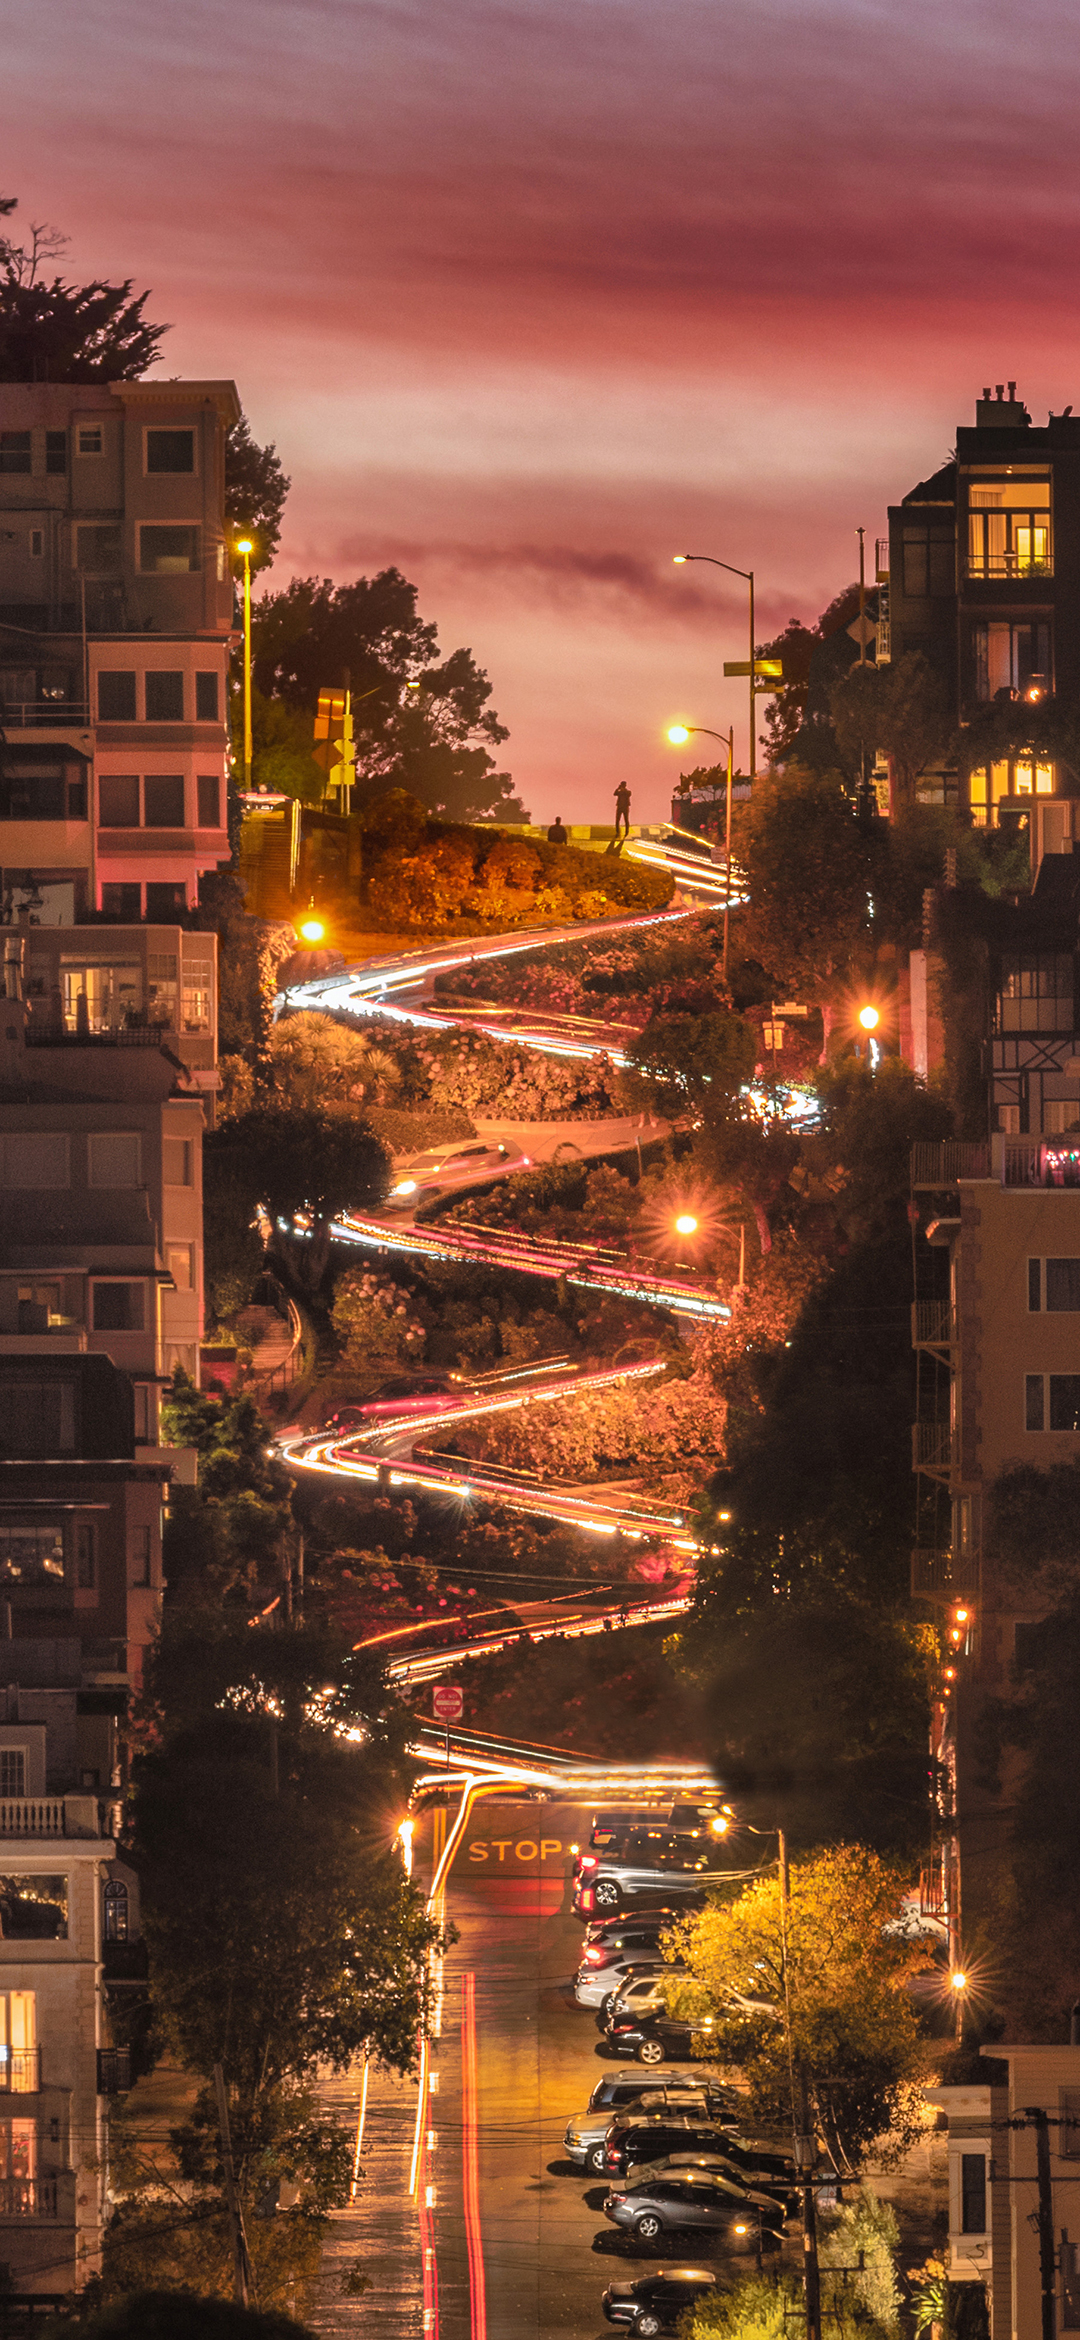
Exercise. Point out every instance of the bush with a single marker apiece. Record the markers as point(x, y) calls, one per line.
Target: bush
point(402, 1131)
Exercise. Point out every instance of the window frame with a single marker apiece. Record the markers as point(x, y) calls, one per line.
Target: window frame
point(172, 675)
point(121, 1284)
point(193, 528)
point(170, 431)
point(119, 674)
point(89, 431)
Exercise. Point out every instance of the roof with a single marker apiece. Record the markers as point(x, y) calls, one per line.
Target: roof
point(940, 488)
point(223, 395)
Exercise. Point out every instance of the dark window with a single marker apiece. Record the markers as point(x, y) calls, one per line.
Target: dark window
point(1063, 1286)
point(122, 901)
point(1034, 1285)
point(56, 456)
point(170, 450)
point(14, 450)
point(164, 901)
point(141, 1553)
point(34, 1908)
point(209, 800)
point(115, 1915)
point(118, 800)
point(1065, 1401)
point(12, 1771)
point(85, 1558)
point(166, 552)
point(206, 698)
point(973, 2193)
point(116, 695)
point(76, 800)
point(38, 1419)
point(1033, 1401)
point(929, 563)
point(35, 793)
point(118, 1308)
point(97, 551)
point(164, 697)
point(164, 800)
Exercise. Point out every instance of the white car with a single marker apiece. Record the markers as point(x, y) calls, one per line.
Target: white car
point(469, 1162)
point(596, 1985)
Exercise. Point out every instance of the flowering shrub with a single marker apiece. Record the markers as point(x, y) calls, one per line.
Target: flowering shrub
point(484, 1076)
point(375, 1321)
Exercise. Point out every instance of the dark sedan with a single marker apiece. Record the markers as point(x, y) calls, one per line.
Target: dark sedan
point(694, 2199)
point(633, 2137)
point(653, 2039)
point(655, 2302)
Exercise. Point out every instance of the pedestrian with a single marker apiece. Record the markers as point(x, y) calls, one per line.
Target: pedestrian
point(622, 809)
point(557, 834)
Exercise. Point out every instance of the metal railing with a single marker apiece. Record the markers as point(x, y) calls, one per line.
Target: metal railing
point(941, 1575)
point(931, 1446)
point(939, 1166)
point(27, 2198)
point(289, 1370)
point(20, 2071)
point(933, 1324)
point(39, 1034)
point(1040, 1163)
point(32, 714)
point(113, 2071)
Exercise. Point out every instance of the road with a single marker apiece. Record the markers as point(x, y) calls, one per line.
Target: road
point(394, 1450)
point(521, 2250)
point(594, 1266)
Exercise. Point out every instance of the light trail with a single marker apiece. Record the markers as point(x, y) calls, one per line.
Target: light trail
point(587, 1265)
point(390, 1453)
point(470, 2161)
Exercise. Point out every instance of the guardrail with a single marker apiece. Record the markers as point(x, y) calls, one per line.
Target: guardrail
point(933, 1324)
point(289, 1370)
point(20, 2073)
point(931, 1446)
point(29, 714)
point(27, 2198)
point(937, 1166)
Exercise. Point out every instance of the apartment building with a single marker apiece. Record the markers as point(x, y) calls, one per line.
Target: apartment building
point(65, 1899)
point(984, 579)
point(1013, 2157)
point(116, 612)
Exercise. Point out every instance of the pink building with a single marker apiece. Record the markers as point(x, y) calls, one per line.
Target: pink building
point(116, 610)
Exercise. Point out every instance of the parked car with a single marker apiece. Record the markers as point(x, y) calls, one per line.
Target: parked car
point(654, 2039)
point(716, 2165)
point(443, 1168)
point(649, 1866)
point(694, 2198)
point(635, 2138)
point(586, 2133)
point(610, 1926)
point(641, 1992)
point(655, 2302)
point(599, 1986)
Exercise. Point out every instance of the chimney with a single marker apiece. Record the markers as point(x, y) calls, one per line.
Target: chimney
point(986, 393)
point(1012, 393)
point(1000, 390)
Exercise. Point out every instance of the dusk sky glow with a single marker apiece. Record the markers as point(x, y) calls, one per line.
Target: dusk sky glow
point(531, 297)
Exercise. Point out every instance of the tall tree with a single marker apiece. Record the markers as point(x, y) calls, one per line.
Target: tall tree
point(421, 724)
point(901, 709)
point(57, 332)
point(255, 492)
point(808, 867)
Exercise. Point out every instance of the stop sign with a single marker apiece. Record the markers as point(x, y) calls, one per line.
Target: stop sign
point(448, 1702)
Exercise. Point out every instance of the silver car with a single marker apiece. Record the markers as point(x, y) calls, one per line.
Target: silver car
point(468, 1162)
point(585, 2134)
point(597, 1986)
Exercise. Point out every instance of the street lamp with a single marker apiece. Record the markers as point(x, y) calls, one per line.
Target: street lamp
point(680, 560)
point(678, 734)
point(869, 1018)
point(958, 1983)
point(245, 546)
point(686, 1224)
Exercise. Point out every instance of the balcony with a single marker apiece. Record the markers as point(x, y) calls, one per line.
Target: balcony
point(933, 1325)
point(39, 1034)
point(113, 2071)
point(942, 1575)
point(45, 714)
point(936, 1168)
point(42, 1818)
point(20, 2072)
point(1035, 1164)
point(931, 1448)
point(27, 2198)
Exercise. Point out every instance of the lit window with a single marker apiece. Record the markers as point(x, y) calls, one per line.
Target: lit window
point(1009, 529)
point(169, 552)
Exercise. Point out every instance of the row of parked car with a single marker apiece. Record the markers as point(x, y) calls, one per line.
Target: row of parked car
point(680, 2168)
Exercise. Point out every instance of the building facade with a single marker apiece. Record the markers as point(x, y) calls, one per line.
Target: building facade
point(116, 609)
point(984, 580)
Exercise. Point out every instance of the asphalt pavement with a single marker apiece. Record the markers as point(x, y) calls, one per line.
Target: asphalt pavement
point(534, 2223)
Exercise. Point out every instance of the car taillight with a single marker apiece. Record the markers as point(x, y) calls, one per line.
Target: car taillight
point(593, 1958)
point(587, 1899)
point(588, 1861)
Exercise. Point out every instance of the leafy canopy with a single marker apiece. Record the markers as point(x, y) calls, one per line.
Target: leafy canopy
point(853, 2029)
point(808, 867)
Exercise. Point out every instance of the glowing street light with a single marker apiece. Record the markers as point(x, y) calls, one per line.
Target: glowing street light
point(869, 1018)
point(678, 734)
point(312, 931)
point(245, 547)
point(686, 1224)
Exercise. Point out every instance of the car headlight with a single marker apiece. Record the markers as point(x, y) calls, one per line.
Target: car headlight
point(405, 1186)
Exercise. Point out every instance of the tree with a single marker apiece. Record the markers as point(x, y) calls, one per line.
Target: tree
point(900, 709)
point(315, 1064)
point(818, 1990)
point(182, 2315)
point(221, 1533)
point(255, 492)
point(281, 743)
point(693, 1064)
point(808, 867)
point(784, 715)
point(313, 1161)
point(75, 333)
point(421, 725)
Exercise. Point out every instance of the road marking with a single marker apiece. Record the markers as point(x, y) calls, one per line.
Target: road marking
point(470, 2171)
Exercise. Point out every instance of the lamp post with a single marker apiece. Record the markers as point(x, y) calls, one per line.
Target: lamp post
point(245, 546)
point(678, 734)
point(747, 575)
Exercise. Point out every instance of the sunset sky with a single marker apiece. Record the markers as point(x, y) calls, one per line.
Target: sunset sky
point(533, 295)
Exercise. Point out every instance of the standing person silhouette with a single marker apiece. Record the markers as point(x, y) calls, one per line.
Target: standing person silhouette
point(622, 810)
point(557, 834)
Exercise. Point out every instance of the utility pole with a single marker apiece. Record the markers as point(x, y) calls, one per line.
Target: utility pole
point(805, 2155)
point(1036, 2115)
point(244, 2273)
point(727, 846)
